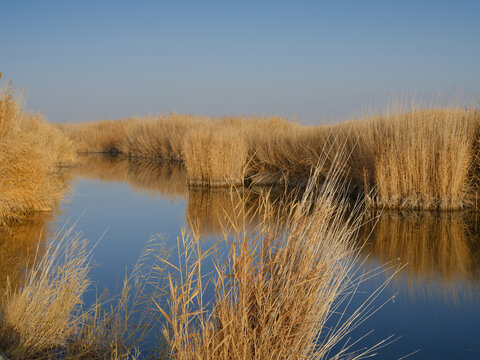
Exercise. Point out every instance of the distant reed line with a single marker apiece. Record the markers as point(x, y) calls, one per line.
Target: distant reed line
point(426, 159)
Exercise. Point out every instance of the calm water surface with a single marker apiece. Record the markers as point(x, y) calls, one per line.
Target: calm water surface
point(434, 311)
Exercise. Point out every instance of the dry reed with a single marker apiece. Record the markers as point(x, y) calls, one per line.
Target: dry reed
point(31, 151)
point(274, 292)
point(40, 317)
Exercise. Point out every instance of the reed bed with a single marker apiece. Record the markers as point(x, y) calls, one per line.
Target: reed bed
point(31, 152)
point(215, 156)
point(41, 317)
point(407, 159)
point(104, 136)
point(424, 159)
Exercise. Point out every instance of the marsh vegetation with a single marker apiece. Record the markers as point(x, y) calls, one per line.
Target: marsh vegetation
point(423, 158)
point(286, 203)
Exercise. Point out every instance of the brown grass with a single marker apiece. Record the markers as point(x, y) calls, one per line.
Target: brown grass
point(215, 156)
point(102, 136)
point(424, 160)
point(41, 316)
point(31, 151)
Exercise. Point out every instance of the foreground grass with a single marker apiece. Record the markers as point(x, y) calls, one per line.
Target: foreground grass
point(409, 159)
point(31, 151)
point(281, 280)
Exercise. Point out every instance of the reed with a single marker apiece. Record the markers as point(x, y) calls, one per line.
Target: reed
point(275, 290)
point(215, 156)
point(104, 136)
point(40, 317)
point(43, 316)
point(31, 152)
point(424, 160)
point(161, 137)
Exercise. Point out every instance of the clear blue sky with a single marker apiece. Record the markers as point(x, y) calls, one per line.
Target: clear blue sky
point(81, 60)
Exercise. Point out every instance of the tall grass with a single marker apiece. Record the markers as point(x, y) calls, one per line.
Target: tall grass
point(31, 151)
point(215, 156)
point(102, 136)
point(42, 316)
point(424, 160)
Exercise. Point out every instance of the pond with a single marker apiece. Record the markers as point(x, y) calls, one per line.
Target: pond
point(431, 307)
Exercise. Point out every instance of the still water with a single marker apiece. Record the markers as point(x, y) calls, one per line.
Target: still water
point(432, 307)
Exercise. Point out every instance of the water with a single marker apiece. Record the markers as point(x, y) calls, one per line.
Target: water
point(432, 306)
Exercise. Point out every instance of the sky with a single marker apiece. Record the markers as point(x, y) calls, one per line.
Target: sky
point(317, 61)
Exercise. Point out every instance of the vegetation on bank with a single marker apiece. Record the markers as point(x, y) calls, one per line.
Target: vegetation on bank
point(31, 152)
point(416, 159)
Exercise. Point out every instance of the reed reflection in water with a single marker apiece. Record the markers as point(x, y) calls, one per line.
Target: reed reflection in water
point(20, 244)
point(165, 179)
point(441, 251)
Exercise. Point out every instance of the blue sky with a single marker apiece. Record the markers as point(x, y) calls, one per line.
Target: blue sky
point(83, 60)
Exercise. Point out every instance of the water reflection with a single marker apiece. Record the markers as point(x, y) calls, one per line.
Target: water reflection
point(20, 244)
point(22, 241)
point(441, 250)
point(163, 179)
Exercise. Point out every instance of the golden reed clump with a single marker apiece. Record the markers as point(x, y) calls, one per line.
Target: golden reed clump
point(31, 151)
point(275, 289)
point(424, 158)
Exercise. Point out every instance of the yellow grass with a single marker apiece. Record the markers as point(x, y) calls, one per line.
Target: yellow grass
point(215, 156)
point(31, 151)
point(161, 137)
point(424, 159)
point(43, 315)
point(97, 137)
